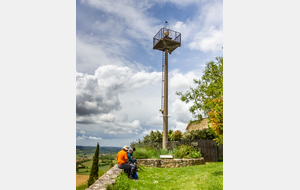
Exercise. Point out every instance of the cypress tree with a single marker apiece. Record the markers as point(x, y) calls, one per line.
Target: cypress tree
point(94, 171)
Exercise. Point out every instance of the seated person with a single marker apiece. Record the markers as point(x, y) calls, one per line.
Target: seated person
point(123, 162)
point(129, 155)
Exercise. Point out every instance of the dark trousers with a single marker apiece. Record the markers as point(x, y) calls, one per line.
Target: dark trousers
point(127, 166)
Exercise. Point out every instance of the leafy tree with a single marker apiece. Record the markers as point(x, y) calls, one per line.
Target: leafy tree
point(216, 118)
point(207, 97)
point(94, 171)
point(174, 136)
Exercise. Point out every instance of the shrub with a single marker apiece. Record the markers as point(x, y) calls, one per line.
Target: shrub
point(144, 153)
point(182, 151)
point(100, 173)
point(186, 151)
point(177, 135)
point(111, 164)
point(153, 141)
point(198, 134)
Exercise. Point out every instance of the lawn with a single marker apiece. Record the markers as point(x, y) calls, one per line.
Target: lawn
point(205, 177)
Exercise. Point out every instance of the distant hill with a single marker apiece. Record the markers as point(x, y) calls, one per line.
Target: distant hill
point(91, 150)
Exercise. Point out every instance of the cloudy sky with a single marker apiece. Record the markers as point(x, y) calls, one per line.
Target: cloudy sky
point(118, 74)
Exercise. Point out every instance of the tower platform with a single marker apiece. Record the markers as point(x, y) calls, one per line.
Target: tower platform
point(168, 43)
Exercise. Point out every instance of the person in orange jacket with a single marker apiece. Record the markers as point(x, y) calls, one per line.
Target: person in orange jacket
point(123, 161)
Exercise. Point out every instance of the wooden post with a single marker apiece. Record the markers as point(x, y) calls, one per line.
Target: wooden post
point(165, 114)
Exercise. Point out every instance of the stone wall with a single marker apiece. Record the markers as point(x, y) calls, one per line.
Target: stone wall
point(170, 163)
point(108, 178)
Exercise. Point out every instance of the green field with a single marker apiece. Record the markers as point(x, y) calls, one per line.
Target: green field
point(83, 170)
point(204, 177)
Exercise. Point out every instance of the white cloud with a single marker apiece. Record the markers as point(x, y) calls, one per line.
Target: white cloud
point(124, 128)
point(205, 32)
point(209, 40)
point(181, 126)
point(148, 131)
point(95, 138)
point(115, 91)
point(179, 81)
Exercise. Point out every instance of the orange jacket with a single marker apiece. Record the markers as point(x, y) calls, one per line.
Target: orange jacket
point(122, 157)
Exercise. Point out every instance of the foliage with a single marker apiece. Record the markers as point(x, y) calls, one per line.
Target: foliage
point(111, 164)
point(210, 87)
point(82, 186)
point(144, 153)
point(182, 151)
point(86, 150)
point(177, 135)
point(83, 171)
point(152, 141)
point(122, 183)
point(94, 171)
point(174, 136)
point(186, 151)
point(153, 137)
point(85, 160)
point(107, 157)
point(100, 173)
point(208, 176)
point(198, 134)
point(216, 118)
point(207, 97)
point(188, 136)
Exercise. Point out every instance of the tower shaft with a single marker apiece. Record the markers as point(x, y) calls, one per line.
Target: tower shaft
point(167, 41)
point(165, 113)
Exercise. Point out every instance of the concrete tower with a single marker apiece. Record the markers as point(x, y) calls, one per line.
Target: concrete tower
point(167, 41)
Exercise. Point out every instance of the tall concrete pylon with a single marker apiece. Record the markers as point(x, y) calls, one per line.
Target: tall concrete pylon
point(166, 40)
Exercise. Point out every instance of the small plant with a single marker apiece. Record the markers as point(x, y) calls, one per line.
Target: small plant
point(111, 164)
point(100, 173)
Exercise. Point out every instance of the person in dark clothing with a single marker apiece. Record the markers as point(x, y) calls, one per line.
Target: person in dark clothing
point(131, 156)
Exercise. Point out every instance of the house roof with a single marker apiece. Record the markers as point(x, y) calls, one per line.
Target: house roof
point(201, 125)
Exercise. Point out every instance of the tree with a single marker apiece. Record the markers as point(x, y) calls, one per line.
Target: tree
point(94, 171)
point(207, 97)
point(216, 118)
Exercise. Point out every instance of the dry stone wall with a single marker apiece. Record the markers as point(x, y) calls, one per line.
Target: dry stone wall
point(108, 178)
point(170, 163)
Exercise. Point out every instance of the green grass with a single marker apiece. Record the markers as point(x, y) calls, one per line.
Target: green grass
point(82, 171)
point(82, 187)
point(183, 151)
point(204, 177)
